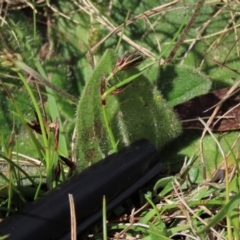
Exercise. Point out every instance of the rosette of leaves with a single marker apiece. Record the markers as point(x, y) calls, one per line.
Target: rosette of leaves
point(136, 111)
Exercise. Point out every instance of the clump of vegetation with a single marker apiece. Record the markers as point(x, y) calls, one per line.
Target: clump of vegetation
point(81, 80)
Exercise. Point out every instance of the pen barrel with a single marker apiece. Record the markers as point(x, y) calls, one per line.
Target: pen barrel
point(49, 216)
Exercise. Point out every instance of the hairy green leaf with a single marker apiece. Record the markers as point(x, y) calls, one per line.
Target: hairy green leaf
point(139, 111)
point(181, 83)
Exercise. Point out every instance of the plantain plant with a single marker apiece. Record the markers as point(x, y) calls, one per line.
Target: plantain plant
point(118, 106)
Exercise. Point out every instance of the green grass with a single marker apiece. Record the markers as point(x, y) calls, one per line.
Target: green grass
point(55, 55)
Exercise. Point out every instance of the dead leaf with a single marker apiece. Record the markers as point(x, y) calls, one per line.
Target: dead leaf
point(228, 117)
